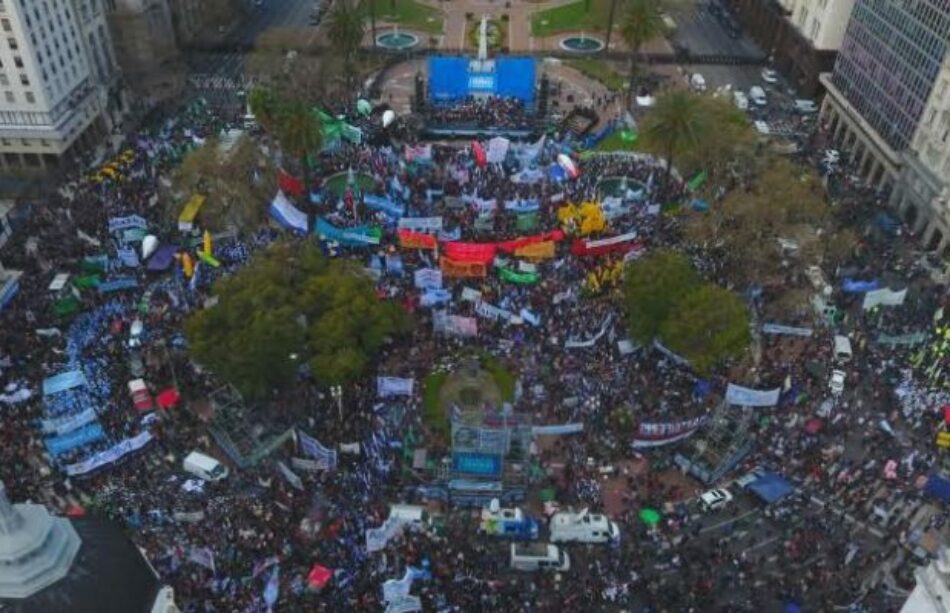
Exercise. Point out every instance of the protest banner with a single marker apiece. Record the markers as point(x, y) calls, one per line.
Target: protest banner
point(460, 270)
point(536, 251)
point(883, 297)
point(416, 240)
point(790, 330)
point(309, 466)
point(558, 429)
point(428, 225)
point(471, 295)
point(747, 397)
point(118, 224)
point(111, 455)
point(590, 342)
point(394, 386)
point(427, 278)
point(489, 311)
point(454, 325)
point(434, 297)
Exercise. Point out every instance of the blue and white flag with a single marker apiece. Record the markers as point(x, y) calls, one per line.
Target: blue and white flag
point(272, 589)
point(202, 556)
point(313, 448)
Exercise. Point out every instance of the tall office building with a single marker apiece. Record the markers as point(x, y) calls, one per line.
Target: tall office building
point(144, 39)
point(58, 79)
point(890, 60)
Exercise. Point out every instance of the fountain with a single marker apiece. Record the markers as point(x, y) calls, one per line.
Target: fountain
point(396, 40)
point(337, 184)
point(582, 44)
point(621, 187)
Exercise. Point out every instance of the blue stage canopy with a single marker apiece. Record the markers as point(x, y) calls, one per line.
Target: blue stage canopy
point(452, 78)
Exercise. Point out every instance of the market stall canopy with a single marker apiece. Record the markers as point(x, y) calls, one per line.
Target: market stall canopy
point(771, 487)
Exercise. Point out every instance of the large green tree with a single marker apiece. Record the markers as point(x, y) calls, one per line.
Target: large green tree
point(291, 306)
point(234, 177)
point(652, 287)
point(753, 227)
point(345, 28)
point(707, 326)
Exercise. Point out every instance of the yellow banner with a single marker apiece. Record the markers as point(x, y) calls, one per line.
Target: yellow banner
point(452, 268)
point(536, 251)
point(943, 440)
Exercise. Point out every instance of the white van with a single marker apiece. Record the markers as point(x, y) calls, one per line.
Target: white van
point(715, 499)
point(409, 514)
point(842, 349)
point(583, 527)
point(806, 107)
point(757, 95)
point(538, 556)
point(204, 467)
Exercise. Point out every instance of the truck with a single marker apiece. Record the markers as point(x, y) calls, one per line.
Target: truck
point(510, 523)
point(583, 527)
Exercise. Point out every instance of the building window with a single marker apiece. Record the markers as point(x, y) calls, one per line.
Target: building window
point(24, 80)
point(9, 96)
point(4, 80)
point(25, 142)
point(18, 61)
point(5, 142)
point(44, 142)
point(30, 97)
point(5, 24)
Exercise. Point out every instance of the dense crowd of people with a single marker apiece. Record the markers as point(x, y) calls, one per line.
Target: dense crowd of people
point(487, 112)
point(560, 337)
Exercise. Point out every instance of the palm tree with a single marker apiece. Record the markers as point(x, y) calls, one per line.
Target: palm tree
point(300, 133)
point(642, 22)
point(610, 24)
point(345, 27)
point(675, 125)
point(264, 106)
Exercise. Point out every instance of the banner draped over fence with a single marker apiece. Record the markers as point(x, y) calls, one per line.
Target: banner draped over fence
point(416, 240)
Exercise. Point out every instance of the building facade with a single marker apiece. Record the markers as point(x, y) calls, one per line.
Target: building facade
point(147, 51)
point(57, 77)
point(932, 591)
point(801, 36)
point(884, 101)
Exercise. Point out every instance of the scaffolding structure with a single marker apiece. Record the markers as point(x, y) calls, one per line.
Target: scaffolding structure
point(724, 442)
point(233, 428)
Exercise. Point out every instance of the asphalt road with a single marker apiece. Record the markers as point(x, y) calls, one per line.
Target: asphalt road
point(219, 77)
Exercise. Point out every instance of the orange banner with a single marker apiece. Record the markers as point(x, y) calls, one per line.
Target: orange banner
point(416, 240)
point(452, 268)
point(536, 251)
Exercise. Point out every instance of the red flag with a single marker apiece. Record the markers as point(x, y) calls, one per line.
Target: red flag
point(289, 184)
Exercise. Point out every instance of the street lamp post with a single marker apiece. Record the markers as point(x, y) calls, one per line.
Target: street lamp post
point(337, 392)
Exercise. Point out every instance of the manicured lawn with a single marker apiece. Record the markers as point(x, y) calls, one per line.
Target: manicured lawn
point(503, 378)
point(572, 18)
point(615, 143)
point(600, 71)
point(408, 13)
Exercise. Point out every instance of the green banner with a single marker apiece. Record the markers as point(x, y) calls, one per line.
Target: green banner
point(697, 180)
point(519, 278)
point(87, 281)
point(527, 222)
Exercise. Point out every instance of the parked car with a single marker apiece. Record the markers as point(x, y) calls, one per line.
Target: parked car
point(697, 82)
point(757, 95)
point(741, 100)
point(715, 499)
point(836, 383)
point(805, 107)
point(769, 75)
